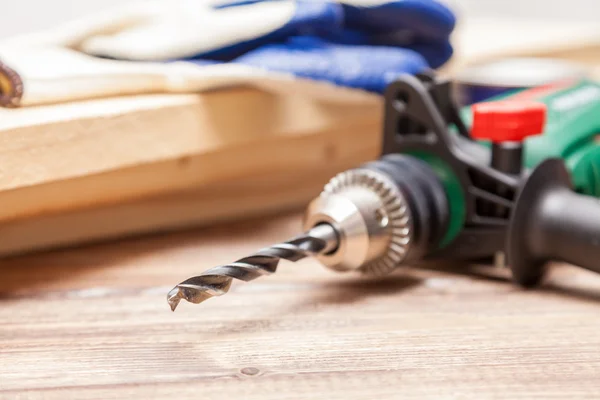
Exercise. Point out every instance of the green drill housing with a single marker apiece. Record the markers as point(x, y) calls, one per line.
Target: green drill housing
point(572, 130)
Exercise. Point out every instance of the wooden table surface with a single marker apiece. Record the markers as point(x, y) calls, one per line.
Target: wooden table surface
point(94, 323)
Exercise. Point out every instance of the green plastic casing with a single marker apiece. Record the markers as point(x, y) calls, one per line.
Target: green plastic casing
point(572, 130)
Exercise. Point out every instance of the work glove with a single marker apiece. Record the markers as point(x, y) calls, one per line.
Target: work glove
point(304, 46)
point(375, 43)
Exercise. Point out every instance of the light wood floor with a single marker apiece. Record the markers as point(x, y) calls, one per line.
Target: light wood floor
point(94, 323)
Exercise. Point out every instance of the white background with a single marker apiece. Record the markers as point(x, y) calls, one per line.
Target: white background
point(19, 16)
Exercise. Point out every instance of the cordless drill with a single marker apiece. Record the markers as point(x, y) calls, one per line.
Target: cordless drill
point(517, 175)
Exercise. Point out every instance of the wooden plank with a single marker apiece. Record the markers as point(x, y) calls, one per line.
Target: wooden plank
point(141, 154)
point(261, 195)
point(234, 130)
point(93, 323)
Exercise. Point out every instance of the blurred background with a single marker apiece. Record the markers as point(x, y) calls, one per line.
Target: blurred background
point(17, 17)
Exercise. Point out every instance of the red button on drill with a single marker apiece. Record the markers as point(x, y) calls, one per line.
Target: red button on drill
point(508, 121)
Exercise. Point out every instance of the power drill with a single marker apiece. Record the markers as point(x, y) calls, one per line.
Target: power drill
point(517, 175)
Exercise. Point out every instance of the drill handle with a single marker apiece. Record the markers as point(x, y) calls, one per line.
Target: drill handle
point(551, 222)
point(569, 229)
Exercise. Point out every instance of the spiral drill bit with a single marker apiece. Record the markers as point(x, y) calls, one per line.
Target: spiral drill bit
point(216, 281)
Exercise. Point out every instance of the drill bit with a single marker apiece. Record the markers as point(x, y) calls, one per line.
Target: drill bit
point(216, 281)
point(360, 222)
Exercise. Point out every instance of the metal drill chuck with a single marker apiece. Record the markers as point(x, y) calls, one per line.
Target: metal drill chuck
point(386, 213)
point(371, 217)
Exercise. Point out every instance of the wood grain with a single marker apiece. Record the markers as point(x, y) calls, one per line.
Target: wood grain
point(64, 165)
point(93, 323)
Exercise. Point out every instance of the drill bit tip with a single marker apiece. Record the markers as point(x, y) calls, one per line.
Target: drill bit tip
point(194, 293)
point(174, 297)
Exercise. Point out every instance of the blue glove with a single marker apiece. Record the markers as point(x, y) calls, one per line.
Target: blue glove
point(342, 42)
point(372, 47)
point(422, 25)
point(369, 68)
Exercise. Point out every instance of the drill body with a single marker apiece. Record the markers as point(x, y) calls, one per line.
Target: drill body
point(423, 121)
